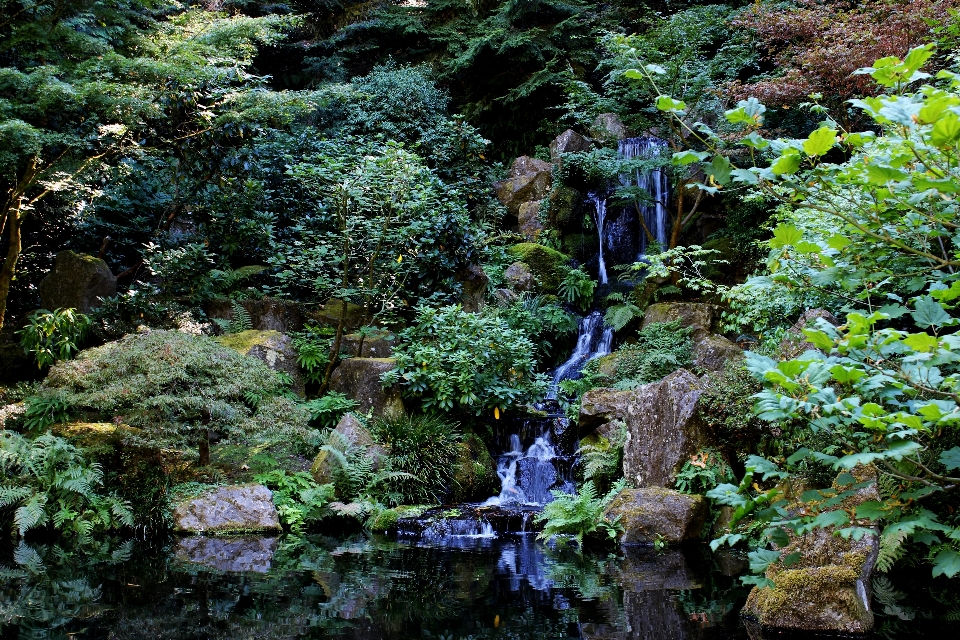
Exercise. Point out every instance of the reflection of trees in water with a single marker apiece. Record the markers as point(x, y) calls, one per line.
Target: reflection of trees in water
point(318, 587)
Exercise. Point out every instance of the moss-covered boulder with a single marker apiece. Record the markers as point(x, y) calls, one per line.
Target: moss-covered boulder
point(77, 281)
point(565, 208)
point(545, 263)
point(329, 314)
point(665, 413)
point(359, 379)
point(609, 128)
point(271, 347)
point(475, 475)
point(375, 344)
point(652, 514)
point(519, 277)
point(825, 587)
point(697, 315)
point(528, 220)
point(473, 282)
point(266, 314)
point(530, 179)
point(227, 510)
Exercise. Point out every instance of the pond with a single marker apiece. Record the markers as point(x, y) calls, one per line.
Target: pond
point(318, 587)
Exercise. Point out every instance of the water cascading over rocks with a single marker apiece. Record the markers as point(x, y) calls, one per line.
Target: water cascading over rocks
point(594, 340)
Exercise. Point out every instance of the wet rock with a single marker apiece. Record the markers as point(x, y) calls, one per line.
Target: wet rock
point(828, 588)
point(731, 562)
point(545, 263)
point(505, 296)
point(473, 281)
point(519, 277)
point(475, 475)
point(565, 207)
point(712, 352)
point(77, 281)
point(568, 142)
point(359, 379)
point(229, 509)
point(664, 413)
point(529, 221)
point(353, 434)
point(795, 342)
point(608, 127)
point(272, 347)
point(530, 179)
point(267, 314)
point(376, 344)
point(697, 315)
point(652, 514)
point(228, 554)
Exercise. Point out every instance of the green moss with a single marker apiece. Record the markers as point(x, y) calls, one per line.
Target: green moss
point(545, 263)
point(245, 340)
point(475, 475)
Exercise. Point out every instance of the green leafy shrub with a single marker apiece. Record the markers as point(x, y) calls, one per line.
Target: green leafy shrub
point(48, 482)
point(174, 388)
point(601, 459)
point(577, 288)
point(579, 515)
point(300, 501)
point(473, 362)
point(426, 449)
point(327, 410)
point(704, 471)
point(313, 345)
point(53, 335)
point(541, 319)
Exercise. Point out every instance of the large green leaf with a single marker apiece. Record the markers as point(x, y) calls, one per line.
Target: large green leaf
point(930, 313)
point(820, 141)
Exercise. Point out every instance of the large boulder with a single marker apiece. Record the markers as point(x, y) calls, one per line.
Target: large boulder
point(696, 315)
point(374, 344)
point(266, 314)
point(712, 352)
point(530, 179)
point(568, 142)
point(351, 433)
point(795, 342)
point(664, 427)
point(227, 510)
point(77, 281)
point(359, 379)
point(545, 263)
point(272, 347)
point(529, 220)
point(473, 281)
point(329, 314)
point(228, 554)
point(826, 587)
point(608, 127)
point(519, 277)
point(652, 514)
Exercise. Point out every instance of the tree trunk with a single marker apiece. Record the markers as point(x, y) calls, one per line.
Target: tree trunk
point(205, 449)
point(9, 268)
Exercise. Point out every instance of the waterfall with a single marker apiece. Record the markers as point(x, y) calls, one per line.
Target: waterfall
point(594, 340)
point(654, 214)
point(600, 207)
point(526, 477)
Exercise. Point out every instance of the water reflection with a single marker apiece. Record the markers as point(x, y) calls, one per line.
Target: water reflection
point(360, 588)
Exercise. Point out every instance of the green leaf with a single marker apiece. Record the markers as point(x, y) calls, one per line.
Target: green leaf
point(947, 563)
point(666, 103)
point(951, 458)
point(837, 242)
point(946, 130)
point(786, 164)
point(820, 141)
point(930, 313)
point(682, 158)
point(785, 235)
point(655, 69)
point(719, 169)
point(882, 175)
point(922, 342)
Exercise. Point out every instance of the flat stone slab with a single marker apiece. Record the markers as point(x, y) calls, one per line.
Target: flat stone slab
point(232, 509)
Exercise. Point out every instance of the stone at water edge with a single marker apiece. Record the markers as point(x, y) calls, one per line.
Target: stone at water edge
point(664, 427)
point(656, 513)
point(77, 281)
point(828, 588)
point(272, 347)
point(226, 510)
point(359, 379)
point(608, 127)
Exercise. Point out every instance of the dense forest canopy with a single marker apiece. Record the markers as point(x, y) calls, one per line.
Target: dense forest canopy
point(458, 195)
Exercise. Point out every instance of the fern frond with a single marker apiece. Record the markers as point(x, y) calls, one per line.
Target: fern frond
point(27, 558)
point(891, 550)
point(10, 496)
point(240, 320)
point(31, 514)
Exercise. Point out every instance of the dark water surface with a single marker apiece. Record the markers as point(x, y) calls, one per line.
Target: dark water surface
point(511, 587)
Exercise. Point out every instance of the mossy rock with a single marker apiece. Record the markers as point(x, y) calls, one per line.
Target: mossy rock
point(545, 263)
point(580, 245)
point(475, 473)
point(658, 514)
point(329, 314)
point(564, 205)
point(228, 511)
point(77, 281)
point(272, 347)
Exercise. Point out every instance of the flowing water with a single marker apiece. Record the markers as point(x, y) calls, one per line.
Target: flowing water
point(600, 217)
point(654, 214)
point(593, 341)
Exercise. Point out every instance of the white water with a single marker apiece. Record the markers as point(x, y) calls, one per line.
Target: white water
point(655, 214)
point(593, 341)
point(538, 470)
point(600, 217)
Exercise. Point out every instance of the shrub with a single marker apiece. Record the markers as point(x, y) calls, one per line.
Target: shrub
point(577, 287)
point(174, 387)
point(601, 458)
point(702, 472)
point(48, 481)
point(327, 410)
point(473, 362)
point(53, 335)
point(300, 501)
point(426, 449)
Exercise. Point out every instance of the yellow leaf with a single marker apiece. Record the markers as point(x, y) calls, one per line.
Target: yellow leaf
point(496, 413)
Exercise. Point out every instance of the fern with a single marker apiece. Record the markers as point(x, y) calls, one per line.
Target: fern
point(240, 319)
point(892, 549)
point(580, 515)
point(603, 461)
point(620, 315)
